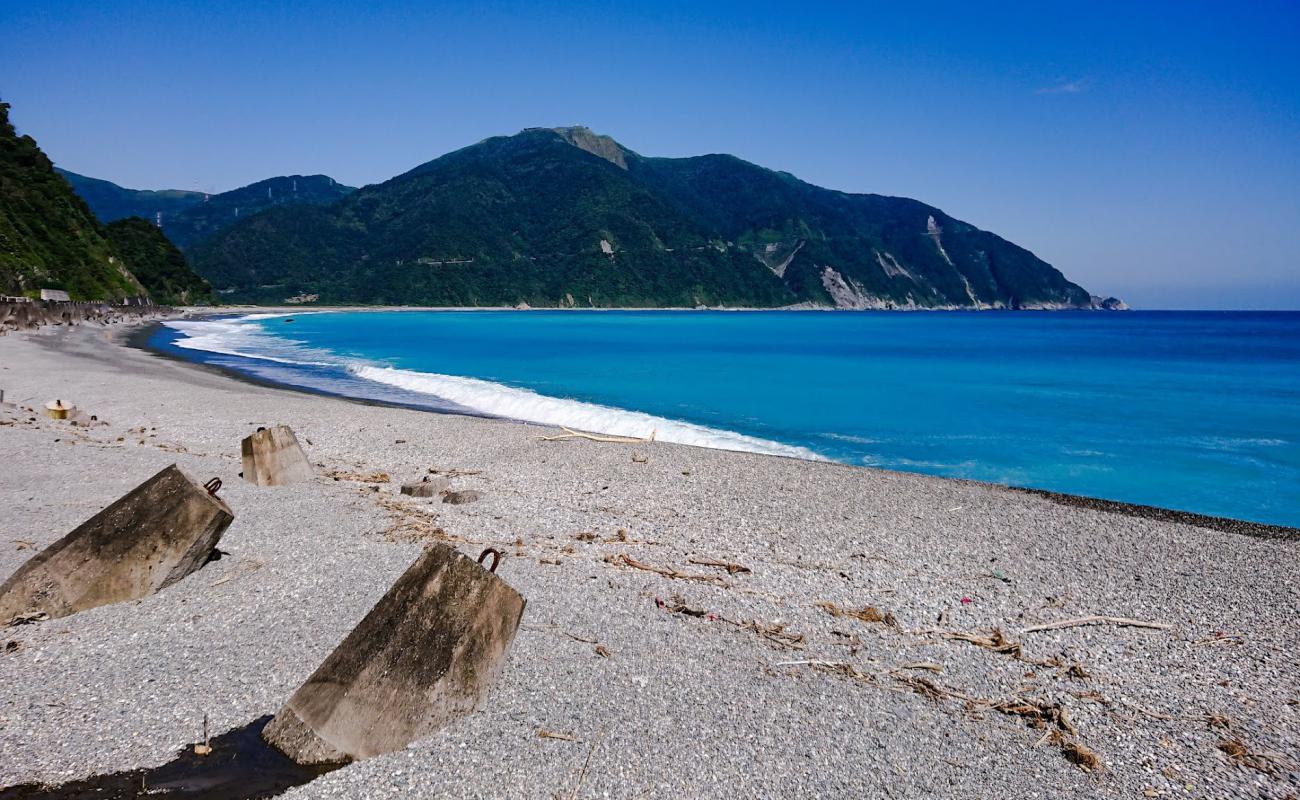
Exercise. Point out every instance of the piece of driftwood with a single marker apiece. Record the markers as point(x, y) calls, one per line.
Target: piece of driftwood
point(727, 565)
point(569, 433)
point(1097, 619)
point(625, 560)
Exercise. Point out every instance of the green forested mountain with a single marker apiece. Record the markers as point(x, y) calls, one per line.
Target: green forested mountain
point(157, 263)
point(112, 202)
point(187, 217)
point(48, 237)
point(564, 217)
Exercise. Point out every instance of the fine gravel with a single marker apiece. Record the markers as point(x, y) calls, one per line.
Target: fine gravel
point(764, 694)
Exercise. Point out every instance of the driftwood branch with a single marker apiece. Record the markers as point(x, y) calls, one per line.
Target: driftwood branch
point(569, 433)
point(624, 560)
point(1098, 619)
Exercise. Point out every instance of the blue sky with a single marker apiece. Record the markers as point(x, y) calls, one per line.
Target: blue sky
point(1149, 150)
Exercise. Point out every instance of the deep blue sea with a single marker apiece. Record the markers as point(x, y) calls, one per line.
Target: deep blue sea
point(1197, 411)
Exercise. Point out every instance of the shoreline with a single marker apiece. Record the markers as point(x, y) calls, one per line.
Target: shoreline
point(138, 338)
point(771, 677)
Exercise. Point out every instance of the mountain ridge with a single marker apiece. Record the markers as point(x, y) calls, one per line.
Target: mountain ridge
point(189, 216)
point(563, 217)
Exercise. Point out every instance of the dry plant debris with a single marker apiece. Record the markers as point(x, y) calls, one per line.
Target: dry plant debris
point(1038, 713)
point(997, 642)
point(731, 568)
point(1097, 619)
point(369, 477)
point(1239, 754)
point(412, 524)
point(624, 560)
point(773, 633)
point(866, 613)
point(542, 733)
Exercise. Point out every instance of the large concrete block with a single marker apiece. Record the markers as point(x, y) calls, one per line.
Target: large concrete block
point(273, 457)
point(158, 533)
point(424, 655)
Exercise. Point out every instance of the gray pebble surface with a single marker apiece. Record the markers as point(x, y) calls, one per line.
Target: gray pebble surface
point(681, 706)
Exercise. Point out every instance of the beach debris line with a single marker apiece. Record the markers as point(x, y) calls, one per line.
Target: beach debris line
point(273, 457)
point(1038, 713)
point(155, 535)
point(426, 654)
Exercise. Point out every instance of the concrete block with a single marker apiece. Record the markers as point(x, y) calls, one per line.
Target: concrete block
point(156, 534)
point(424, 655)
point(273, 457)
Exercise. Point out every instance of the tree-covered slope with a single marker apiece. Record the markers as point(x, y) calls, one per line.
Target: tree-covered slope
point(157, 263)
point(187, 217)
point(48, 237)
point(111, 202)
point(566, 217)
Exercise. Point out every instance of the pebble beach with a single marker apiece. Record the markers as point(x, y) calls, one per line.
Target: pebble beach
point(699, 623)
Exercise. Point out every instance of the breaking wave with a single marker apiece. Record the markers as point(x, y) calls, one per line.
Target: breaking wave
point(242, 337)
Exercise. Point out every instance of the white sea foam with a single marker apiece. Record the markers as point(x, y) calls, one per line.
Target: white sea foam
point(529, 406)
point(236, 337)
point(242, 337)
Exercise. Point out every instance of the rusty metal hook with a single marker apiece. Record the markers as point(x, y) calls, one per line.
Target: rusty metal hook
point(496, 558)
point(213, 486)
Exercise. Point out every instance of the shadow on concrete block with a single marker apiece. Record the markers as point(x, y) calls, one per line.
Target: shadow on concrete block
point(156, 534)
point(273, 457)
point(425, 654)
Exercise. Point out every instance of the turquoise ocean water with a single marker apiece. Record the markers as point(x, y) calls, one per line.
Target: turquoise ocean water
point(1196, 411)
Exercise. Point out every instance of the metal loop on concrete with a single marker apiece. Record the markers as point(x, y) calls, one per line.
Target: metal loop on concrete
point(496, 558)
point(213, 486)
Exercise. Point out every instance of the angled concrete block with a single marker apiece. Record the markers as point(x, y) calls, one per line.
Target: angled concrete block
point(273, 457)
point(158, 533)
point(424, 655)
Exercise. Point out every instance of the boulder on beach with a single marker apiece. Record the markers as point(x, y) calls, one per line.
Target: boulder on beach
point(427, 487)
point(462, 497)
point(273, 457)
point(424, 655)
point(156, 534)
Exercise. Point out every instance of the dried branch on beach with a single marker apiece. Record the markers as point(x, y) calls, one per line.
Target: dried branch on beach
point(624, 560)
point(569, 433)
point(996, 641)
point(1097, 619)
point(728, 566)
point(866, 613)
